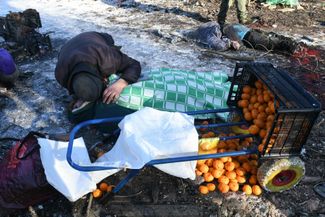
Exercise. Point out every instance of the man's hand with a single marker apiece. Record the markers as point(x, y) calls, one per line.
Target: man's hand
point(112, 92)
point(235, 45)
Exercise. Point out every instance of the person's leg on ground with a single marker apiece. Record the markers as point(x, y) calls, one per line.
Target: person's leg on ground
point(257, 39)
point(242, 11)
point(222, 15)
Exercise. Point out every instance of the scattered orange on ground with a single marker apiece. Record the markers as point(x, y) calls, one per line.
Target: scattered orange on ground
point(233, 186)
point(223, 188)
point(203, 189)
point(247, 189)
point(252, 180)
point(211, 186)
point(103, 186)
point(110, 188)
point(208, 177)
point(203, 168)
point(257, 190)
point(97, 193)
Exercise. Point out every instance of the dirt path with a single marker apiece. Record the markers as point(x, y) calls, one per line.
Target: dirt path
point(145, 30)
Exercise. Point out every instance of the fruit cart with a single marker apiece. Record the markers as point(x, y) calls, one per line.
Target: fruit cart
point(276, 116)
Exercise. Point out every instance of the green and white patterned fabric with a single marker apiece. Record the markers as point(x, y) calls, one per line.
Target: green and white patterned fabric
point(177, 90)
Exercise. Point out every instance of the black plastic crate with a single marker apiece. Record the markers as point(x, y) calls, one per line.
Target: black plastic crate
point(295, 115)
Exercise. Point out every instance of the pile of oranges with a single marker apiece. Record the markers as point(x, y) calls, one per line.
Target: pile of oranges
point(102, 188)
point(259, 107)
point(227, 173)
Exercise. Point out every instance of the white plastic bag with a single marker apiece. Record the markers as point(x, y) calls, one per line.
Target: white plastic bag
point(73, 184)
point(152, 134)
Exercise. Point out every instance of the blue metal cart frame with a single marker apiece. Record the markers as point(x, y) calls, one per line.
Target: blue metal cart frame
point(171, 159)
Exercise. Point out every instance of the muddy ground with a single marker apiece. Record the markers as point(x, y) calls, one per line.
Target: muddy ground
point(146, 30)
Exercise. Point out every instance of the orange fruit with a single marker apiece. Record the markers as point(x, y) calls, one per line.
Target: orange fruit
point(253, 162)
point(103, 186)
point(208, 177)
point(266, 97)
point(252, 180)
point(253, 99)
point(236, 164)
point(259, 91)
point(233, 186)
point(110, 188)
point(203, 189)
point(260, 99)
point(209, 162)
point(261, 108)
point(258, 84)
point(242, 158)
point(241, 179)
point(254, 113)
point(259, 123)
point(218, 164)
point(243, 103)
point(248, 116)
point(203, 168)
point(245, 96)
point(223, 179)
point(270, 118)
point(221, 144)
point(211, 186)
point(233, 146)
point(257, 190)
point(205, 123)
point(198, 172)
point(231, 174)
point(253, 129)
point(246, 166)
point(262, 116)
point(224, 159)
point(256, 105)
point(229, 166)
point(253, 90)
point(217, 173)
point(254, 170)
point(246, 89)
point(223, 188)
point(97, 193)
point(247, 189)
point(268, 111)
point(250, 107)
point(260, 147)
point(262, 133)
point(200, 162)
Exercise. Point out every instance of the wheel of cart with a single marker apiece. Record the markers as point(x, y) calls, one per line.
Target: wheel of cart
point(278, 142)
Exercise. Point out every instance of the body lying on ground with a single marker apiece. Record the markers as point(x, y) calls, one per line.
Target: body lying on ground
point(234, 35)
